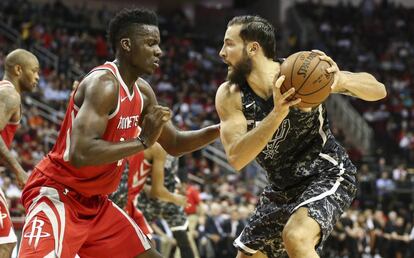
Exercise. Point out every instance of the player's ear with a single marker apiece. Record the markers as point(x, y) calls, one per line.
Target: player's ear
point(18, 70)
point(126, 44)
point(252, 48)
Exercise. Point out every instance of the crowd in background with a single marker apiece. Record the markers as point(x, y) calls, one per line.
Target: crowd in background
point(381, 220)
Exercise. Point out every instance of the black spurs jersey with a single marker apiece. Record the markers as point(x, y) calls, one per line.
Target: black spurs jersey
point(291, 156)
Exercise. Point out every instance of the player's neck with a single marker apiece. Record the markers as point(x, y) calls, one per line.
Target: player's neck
point(129, 75)
point(14, 82)
point(262, 76)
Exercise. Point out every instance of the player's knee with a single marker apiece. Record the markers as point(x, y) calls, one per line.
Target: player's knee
point(6, 249)
point(296, 237)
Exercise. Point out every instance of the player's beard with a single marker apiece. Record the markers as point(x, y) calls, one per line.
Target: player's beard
point(240, 70)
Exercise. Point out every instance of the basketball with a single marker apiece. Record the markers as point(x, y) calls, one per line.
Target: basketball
point(305, 72)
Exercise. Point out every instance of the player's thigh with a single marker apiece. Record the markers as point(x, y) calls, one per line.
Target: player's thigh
point(303, 226)
point(6, 250)
point(256, 255)
point(114, 234)
point(142, 222)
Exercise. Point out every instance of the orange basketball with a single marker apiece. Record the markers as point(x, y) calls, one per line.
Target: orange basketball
point(307, 74)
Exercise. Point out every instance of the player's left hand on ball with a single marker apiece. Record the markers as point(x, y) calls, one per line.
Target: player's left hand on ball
point(332, 69)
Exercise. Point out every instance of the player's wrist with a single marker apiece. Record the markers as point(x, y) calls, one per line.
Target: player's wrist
point(143, 142)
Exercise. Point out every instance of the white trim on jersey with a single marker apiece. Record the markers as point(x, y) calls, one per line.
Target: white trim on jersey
point(11, 238)
point(123, 84)
point(50, 255)
point(334, 187)
point(7, 83)
point(321, 132)
point(35, 208)
point(243, 246)
point(67, 142)
point(180, 228)
point(113, 114)
point(144, 241)
point(140, 94)
point(117, 107)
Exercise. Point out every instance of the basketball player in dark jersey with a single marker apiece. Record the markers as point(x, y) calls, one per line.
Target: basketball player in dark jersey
point(311, 179)
point(21, 75)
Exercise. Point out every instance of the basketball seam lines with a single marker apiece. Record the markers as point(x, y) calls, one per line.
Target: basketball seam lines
point(307, 94)
point(308, 76)
point(291, 77)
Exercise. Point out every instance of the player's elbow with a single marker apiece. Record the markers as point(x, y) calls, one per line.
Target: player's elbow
point(155, 193)
point(173, 151)
point(378, 91)
point(236, 162)
point(382, 92)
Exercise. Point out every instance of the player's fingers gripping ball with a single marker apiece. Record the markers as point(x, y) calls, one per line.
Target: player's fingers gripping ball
point(308, 74)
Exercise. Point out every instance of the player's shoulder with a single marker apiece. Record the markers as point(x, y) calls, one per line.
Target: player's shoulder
point(10, 95)
point(143, 85)
point(100, 81)
point(101, 76)
point(228, 89)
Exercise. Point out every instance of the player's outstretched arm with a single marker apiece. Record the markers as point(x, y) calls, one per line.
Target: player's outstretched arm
point(158, 190)
point(177, 142)
point(360, 85)
point(9, 105)
point(241, 146)
point(100, 99)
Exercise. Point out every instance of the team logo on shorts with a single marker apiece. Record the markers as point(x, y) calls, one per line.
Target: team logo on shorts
point(36, 232)
point(2, 217)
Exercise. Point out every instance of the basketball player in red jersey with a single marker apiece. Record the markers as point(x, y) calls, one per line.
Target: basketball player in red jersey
point(21, 75)
point(111, 115)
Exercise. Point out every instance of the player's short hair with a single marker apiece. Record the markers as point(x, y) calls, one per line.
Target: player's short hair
point(121, 25)
point(256, 28)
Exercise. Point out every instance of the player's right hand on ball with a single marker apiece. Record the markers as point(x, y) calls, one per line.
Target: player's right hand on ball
point(281, 101)
point(153, 123)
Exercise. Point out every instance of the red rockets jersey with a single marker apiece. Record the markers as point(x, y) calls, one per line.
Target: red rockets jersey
point(122, 125)
point(9, 131)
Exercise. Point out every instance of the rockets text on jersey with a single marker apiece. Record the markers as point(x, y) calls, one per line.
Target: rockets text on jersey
point(122, 125)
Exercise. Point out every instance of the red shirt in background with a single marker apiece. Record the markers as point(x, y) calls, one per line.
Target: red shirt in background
point(193, 199)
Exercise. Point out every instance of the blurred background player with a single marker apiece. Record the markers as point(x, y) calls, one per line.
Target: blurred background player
point(311, 178)
point(113, 114)
point(21, 75)
point(131, 184)
point(160, 200)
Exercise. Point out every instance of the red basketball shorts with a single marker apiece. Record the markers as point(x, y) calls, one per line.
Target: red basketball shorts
point(7, 234)
point(63, 223)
